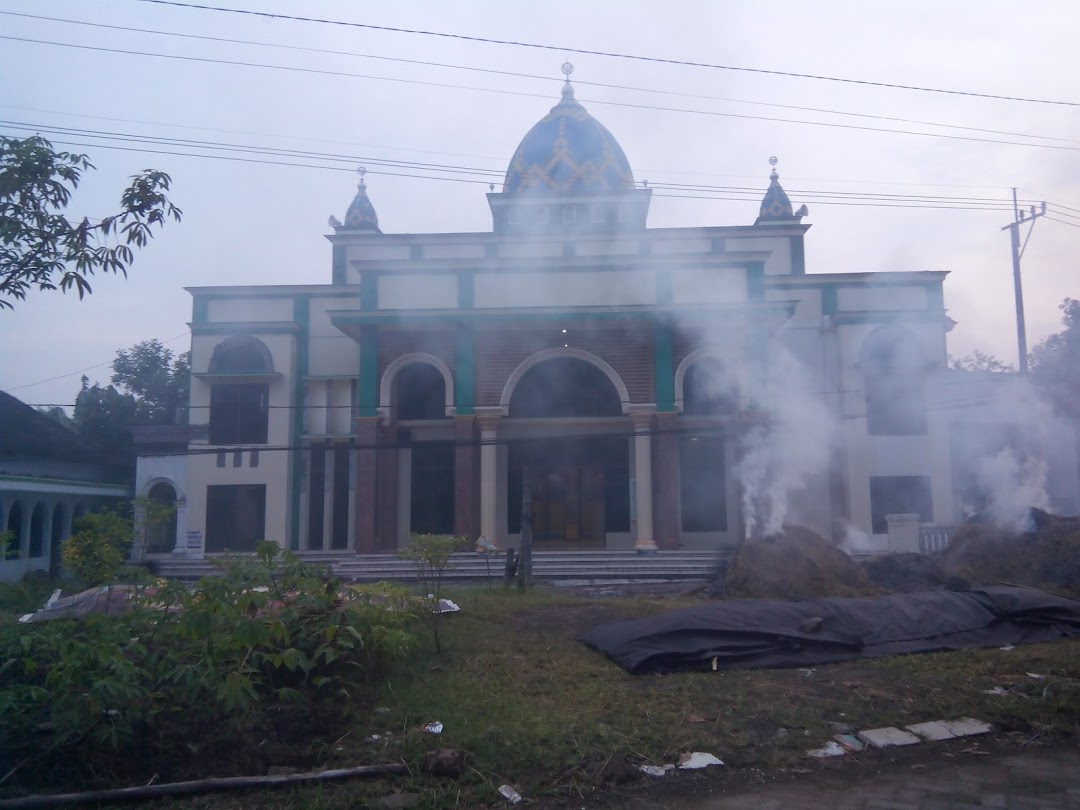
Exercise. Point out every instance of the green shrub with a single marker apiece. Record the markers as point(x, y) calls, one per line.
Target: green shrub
point(431, 553)
point(96, 551)
point(185, 664)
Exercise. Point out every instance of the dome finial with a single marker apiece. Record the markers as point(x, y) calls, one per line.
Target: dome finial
point(361, 215)
point(775, 207)
point(568, 89)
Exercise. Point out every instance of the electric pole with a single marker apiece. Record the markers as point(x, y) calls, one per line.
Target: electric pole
point(1017, 251)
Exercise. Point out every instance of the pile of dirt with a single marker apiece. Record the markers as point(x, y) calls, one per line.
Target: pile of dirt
point(799, 563)
point(1048, 555)
point(905, 572)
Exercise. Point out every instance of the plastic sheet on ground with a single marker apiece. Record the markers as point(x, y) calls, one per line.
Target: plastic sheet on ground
point(760, 633)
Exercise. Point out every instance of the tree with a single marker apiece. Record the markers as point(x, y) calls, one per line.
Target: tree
point(1055, 362)
point(978, 361)
point(158, 379)
point(104, 416)
point(40, 247)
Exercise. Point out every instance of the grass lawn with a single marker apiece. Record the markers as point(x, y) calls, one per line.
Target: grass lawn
point(534, 708)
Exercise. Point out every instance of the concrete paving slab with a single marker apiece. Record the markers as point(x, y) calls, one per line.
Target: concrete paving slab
point(967, 727)
point(934, 731)
point(887, 737)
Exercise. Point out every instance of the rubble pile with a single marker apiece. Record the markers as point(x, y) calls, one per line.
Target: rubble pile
point(798, 563)
point(1047, 555)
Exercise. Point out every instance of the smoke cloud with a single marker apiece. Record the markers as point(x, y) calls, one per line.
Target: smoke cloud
point(780, 457)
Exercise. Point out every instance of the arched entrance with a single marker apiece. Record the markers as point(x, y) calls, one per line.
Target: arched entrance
point(56, 540)
point(580, 486)
point(15, 520)
point(161, 518)
point(37, 532)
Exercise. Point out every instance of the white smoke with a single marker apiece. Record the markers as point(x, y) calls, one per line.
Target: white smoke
point(1013, 485)
point(779, 458)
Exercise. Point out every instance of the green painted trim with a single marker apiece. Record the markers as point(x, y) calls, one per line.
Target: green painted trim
point(369, 290)
point(368, 386)
point(663, 286)
point(798, 256)
point(338, 263)
point(755, 281)
point(476, 315)
point(465, 289)
point(120, 489)
point(302, 317)
point(829, 303)
point(664, 369)
point(199, 307)
point(244, 329)
point(306, 290)
point(465, 374)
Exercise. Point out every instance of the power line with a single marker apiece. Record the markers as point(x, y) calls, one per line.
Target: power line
point(170, 124)
point(514, 74)
point(81, 370)
point(446, 85)
point(609, 54)
point(1064, 222)
point(730, 193)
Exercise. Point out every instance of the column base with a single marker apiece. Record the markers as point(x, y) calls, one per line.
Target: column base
point(645, 547)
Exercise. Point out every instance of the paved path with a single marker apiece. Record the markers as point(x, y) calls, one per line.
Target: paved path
point(1045, 779)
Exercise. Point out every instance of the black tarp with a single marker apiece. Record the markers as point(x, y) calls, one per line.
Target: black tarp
point(760, 633)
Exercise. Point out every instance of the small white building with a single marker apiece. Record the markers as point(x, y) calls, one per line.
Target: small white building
point(48, 477)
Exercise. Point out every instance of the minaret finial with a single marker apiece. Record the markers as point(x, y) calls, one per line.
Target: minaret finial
point(362, 172)
point(773, 175)
point(568, 89)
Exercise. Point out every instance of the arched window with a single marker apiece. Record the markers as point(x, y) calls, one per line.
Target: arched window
point(562, 387)
point(239, 411)
point(37, 532)
point(14, 529)
point(161, 518)
point(241, 354)
point(420, 392)
point(709, 390)
point(894, 369)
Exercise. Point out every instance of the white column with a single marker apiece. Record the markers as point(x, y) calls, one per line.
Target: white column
point(643, 481)
point(46, 536)
point(489, 478)
point(328, 496)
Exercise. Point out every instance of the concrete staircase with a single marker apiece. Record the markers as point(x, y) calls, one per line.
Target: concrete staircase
point(557, 567)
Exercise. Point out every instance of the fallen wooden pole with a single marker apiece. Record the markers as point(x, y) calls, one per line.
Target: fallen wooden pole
point(144, 792)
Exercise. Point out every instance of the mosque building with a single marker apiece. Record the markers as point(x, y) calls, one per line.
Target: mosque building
point(623, 371)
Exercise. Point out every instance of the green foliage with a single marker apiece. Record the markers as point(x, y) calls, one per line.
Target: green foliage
point(40, 248)
point(267, 635)
point(105, 417)
point(7, 545)
point(96, 551)
point(1055, 362)
point(431, 553)
point(979, 361)
point(157, 378)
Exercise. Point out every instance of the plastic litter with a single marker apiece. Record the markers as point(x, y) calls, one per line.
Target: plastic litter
point(807, 671)
point(653, 770)
point(1036, 676)
point(997, 690)
point(434, 728)
point(697, 759)
point(830, 749)
point(509, 794)
point(446, 606)
point(1007, 648)
point(850, 742)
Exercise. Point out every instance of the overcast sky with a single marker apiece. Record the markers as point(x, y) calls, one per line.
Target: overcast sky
point(252, 223)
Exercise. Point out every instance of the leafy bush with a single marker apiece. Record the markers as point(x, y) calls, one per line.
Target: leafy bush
point(96, 551)
point(431, 553)
point(268, 635)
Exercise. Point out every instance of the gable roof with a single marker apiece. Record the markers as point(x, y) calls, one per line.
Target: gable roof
point(27, 434)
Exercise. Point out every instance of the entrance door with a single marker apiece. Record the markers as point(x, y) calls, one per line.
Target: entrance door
point(572, 485)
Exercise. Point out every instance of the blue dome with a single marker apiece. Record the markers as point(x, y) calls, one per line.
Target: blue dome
point(361, 215)
point(569, 151)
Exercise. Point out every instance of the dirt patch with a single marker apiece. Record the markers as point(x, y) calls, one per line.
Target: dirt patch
point(1048, 555)
point(905, 573)
point(796, 564)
